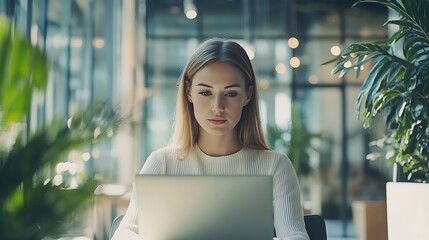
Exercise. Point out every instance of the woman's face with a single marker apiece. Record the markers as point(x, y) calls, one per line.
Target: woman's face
point(218, 94)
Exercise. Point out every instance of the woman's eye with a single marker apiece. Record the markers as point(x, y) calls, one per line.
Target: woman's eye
point(231, 94)
point(205, 93)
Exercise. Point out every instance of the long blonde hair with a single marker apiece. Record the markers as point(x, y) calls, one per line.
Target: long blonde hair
point(185, 131)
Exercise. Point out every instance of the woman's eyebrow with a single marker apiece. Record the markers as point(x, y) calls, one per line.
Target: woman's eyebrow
point(233, 85)
point(228, 86)
point(204, 85)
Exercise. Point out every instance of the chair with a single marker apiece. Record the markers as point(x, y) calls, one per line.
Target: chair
point(314, 224)
point(115, 225)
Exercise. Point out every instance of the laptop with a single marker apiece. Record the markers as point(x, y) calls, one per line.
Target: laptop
point(205, 207)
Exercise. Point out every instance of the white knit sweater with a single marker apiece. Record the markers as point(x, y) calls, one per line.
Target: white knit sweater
point(288, 219)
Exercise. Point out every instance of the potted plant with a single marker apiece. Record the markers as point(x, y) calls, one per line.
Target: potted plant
point(298, 142)
point(397, 86)
point(32, 206)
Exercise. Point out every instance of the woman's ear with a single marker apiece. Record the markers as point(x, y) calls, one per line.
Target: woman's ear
point(249, 95)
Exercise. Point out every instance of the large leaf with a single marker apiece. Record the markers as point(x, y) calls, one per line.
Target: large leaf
point(29, 208)
point(397, 86)
point(48, 145)
point(45, 212)
point(23, 69)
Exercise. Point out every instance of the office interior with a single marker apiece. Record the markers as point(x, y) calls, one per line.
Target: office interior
point(130, 53)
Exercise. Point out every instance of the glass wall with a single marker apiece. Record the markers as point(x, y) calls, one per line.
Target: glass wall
point(83, 40)
point(79, 40)
point(131, 54)
point(289, 41)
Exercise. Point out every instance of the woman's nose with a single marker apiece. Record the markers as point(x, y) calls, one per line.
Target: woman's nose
point(218, 105)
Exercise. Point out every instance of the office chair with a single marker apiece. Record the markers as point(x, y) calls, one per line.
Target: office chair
point(314, 224)
point(115, 225)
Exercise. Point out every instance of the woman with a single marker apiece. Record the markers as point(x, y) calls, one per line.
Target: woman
point(218, 131)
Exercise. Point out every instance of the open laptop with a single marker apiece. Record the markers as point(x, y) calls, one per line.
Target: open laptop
point(205, 207)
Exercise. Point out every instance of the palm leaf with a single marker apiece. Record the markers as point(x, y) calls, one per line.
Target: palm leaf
point(46, 200)
point(395, 85)
point(31, 209)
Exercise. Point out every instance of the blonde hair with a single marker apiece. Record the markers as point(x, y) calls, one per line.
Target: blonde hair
point(185, 131)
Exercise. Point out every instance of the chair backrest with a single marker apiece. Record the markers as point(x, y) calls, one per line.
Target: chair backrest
point(315, 226)
point(115, 225)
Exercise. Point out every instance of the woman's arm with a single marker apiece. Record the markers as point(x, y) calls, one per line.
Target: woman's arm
point(288, 216)
point(128, 228)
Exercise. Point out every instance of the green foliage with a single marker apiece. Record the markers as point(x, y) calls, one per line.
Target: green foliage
point(23, 70)
point(397, 85)
point(30, 207)
point(296, 141)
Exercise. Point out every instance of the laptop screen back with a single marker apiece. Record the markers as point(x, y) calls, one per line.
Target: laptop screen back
point(205, 207)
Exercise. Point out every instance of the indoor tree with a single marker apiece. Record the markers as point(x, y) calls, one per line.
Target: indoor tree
point(397, 85)
point(31, 206)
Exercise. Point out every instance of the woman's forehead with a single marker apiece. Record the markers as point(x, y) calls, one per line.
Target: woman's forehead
point(219, 73)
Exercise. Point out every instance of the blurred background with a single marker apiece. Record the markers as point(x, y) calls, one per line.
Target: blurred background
point(131, 53)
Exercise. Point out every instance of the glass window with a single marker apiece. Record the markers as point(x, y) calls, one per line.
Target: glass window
point(3, 7)
point(269, 18)
point(101, 43)
point(282, 110)
point(317, 19)
point(231, 23)
point(168, 19)
point(322, 29)
point(21, 15)
point(57, 40)
point(369, 26)
point(83, 40)
point(320, 111)
point(312, 53)
point(367, 179)
point(166, 60)
point(271, 62)
point(275, 111)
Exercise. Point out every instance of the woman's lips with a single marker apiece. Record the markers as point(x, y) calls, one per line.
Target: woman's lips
point(217, 121)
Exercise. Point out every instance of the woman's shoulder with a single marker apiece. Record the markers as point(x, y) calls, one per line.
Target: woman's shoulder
point(164, 153)
point(267, 153)
point(163, 150)
point(274, 160)
point(157, 160)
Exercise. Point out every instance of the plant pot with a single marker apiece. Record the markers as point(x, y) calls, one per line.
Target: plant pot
point(407, 210)
point(370, 219)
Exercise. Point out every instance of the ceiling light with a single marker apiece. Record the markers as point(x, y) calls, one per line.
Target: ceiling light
point(190, 9)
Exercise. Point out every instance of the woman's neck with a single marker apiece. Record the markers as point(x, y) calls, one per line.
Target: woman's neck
point(217, 146)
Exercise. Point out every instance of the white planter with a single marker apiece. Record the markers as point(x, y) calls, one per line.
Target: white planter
point(407, 210)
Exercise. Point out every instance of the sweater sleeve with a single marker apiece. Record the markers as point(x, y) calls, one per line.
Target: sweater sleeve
point(288, 217)
point(128, 228)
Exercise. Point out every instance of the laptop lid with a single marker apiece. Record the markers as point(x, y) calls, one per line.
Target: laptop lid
point(205, 207)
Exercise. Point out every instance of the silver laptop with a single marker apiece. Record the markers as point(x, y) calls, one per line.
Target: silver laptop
point(205, 207)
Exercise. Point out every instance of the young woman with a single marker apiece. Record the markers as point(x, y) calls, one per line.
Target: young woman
point(218, 131)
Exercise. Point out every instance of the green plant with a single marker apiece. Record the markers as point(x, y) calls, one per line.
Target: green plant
point(31, 206)
point(397, 84)
point(295, 141)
